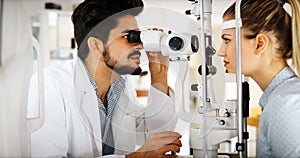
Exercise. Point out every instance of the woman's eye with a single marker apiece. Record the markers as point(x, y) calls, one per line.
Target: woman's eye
point(226, 40)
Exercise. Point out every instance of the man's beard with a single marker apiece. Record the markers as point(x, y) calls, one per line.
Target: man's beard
point(120, 69)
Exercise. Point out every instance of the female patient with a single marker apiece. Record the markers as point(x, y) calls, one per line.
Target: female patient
point(270, 36)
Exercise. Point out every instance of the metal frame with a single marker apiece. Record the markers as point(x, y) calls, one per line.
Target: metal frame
point(1, 23)
point(204, 77)
point(240, 145)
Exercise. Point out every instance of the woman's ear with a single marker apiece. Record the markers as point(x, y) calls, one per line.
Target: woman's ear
point(262, 42)
point(95, 45)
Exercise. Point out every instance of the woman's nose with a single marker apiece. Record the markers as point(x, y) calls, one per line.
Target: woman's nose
point(221, 52)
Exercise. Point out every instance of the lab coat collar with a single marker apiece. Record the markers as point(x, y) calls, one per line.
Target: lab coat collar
point(81, 80)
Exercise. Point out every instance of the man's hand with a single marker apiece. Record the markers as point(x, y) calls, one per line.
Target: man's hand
point(158, 144)
point(158, 66)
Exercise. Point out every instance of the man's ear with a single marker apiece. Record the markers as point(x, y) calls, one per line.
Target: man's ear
point(95, 45)
point(262, 42)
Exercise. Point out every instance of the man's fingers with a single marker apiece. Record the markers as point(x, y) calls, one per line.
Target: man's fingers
point(153, 54)
point(170, 141)
point(168, 134)
point(167, 148)
point(169, 156)
point(176, 142)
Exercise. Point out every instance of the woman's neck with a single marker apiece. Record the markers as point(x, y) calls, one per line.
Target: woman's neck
point(264, 76)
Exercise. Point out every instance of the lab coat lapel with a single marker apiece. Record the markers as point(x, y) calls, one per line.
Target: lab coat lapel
point(119, 117)
point(124, 122)
point(86, 102)
point(120, 110)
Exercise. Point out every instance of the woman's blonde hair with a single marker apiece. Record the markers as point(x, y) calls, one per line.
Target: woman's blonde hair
point(270, 16)
point(295, 5)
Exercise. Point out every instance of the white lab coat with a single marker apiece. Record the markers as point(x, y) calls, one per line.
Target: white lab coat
point(72, 122)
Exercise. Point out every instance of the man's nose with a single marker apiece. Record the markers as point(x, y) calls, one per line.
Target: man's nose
point(138, 46)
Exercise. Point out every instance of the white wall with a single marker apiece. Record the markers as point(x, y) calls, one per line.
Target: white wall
point(17, 57)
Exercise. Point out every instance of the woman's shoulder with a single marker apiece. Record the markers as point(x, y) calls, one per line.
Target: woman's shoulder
point(290, 86)
point(287, 93)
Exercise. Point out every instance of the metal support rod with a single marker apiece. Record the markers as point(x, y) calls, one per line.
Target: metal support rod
point(204, 77)
point(240, 145)
point(245, 153)
point(1, 23)
point(246, 99)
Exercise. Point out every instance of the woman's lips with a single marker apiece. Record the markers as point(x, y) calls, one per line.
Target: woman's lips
point(225, 63)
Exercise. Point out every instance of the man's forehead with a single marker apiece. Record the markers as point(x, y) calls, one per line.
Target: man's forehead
point(127, 22)
point(124, 23)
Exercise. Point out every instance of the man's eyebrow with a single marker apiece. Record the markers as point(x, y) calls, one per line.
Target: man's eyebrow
point(126, 31)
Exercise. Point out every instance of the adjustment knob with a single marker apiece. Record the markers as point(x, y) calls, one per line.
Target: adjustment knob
point(188, 12)
point(221, 122)
point(226, 114)
point(194, 87)
point(200, 70)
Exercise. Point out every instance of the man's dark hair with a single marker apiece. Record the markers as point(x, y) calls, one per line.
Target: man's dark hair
point(90, 13)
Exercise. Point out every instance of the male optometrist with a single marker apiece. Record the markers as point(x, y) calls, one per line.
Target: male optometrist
point(90, 108)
